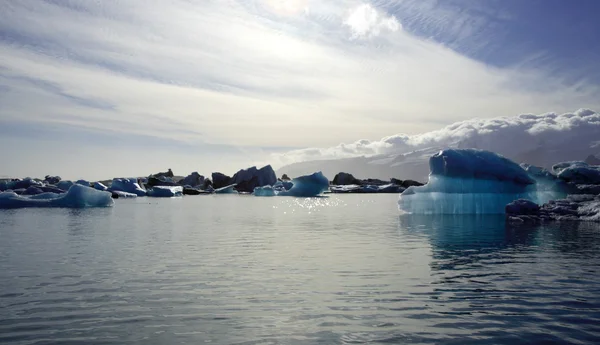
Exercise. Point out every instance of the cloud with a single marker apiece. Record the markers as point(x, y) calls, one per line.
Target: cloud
point(510, 136)
point(232, 74)
point(366, 21)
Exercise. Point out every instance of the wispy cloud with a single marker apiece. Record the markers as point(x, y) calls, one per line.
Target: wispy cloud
point(252, 75)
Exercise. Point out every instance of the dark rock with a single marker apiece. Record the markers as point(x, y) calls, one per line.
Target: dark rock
point(220, 180)
point(344, 179)
point(285, 177)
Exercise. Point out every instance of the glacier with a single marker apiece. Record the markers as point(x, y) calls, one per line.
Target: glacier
point(304, 186)
point(77, 196)
point(471, 181)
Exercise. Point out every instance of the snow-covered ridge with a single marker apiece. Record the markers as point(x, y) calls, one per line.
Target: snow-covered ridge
point(541, 140)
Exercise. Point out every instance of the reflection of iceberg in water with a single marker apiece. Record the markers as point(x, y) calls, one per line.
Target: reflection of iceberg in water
point(446, 232)
point(466, 247)
point(484, 272)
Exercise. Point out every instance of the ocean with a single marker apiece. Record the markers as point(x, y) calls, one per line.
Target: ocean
point(340, 269)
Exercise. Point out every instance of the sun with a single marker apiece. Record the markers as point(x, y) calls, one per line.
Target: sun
point(286, 7)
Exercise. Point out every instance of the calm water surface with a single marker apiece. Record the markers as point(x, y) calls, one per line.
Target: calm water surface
point(248, 270)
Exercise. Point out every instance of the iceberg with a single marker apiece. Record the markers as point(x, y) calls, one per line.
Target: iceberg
point(64, 185)
point(83, 183)
point(248, 179)
point(577, 172)
point(116, 194)
point(193, 180)
point(226, 190)
point(100, 186)
point(77, 196)
point(165, 191)
point(264, 191)
point(307, 186)
point(470, 181)
point(128, 185)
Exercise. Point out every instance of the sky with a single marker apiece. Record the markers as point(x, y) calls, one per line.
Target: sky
point(98, 89)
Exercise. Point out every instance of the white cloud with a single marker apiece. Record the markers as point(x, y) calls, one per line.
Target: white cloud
point(366, 21)
point(510, 136)
point(226, 73)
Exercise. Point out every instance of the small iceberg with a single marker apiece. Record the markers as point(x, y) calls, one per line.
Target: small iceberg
point(128, 185)
point(226, 190)
point(304, 186)
point(165, 191)
point(77, 196)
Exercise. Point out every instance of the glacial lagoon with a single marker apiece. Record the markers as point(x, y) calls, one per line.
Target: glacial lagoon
point(233, 269)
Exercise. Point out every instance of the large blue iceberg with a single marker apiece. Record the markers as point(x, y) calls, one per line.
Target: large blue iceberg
point(469, 181)
point(303, 186)
point(77, 196)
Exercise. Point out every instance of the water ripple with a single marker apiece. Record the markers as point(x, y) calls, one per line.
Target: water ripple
point(340, 269)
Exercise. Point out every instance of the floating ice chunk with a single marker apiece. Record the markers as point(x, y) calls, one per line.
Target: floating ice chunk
point(76, 197)
point(165, 191)
point(264, 191)
point(226, 190)
point(119, 194)
point(64, 185)
point(100, 186)
point(471, 181)
point(83, 183)
point(308, 186)
point(128, 185)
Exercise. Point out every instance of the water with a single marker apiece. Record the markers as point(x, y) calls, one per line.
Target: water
point(247, 270)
